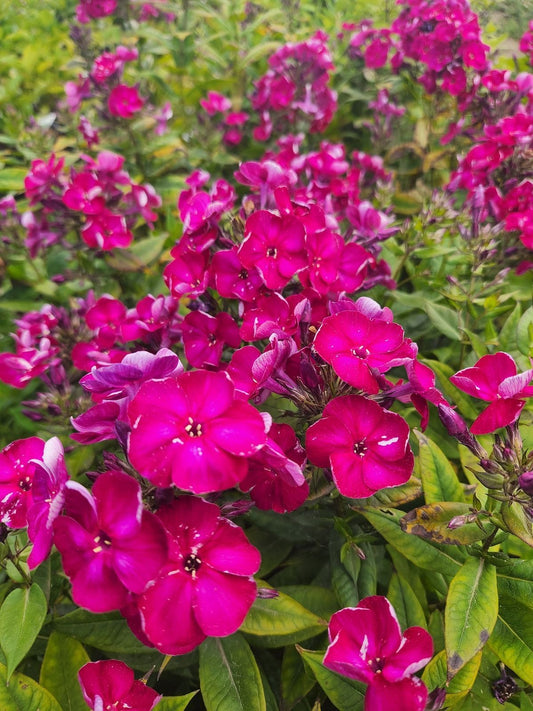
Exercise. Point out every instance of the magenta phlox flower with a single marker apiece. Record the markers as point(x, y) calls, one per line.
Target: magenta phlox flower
point(89, 10)
point(275, 479)
point(239, 370)
point(187, 274)
point(193, 431)
point(105, 317)
point(366, 644)
point(494, 378)
point(124, 101)
point(231, 279)
point(215, 103)
point(48, 496)
point(206, 588)
point(205, 336)
point(269, 314)
point(19, 368)
point(269, 369)
point(106, 231)
point(359, 348)
point(17, 470)
point(275, 245)
point(44, 179)
point(109, 544)
point(84, 194)
point(366, 447)
point(109, 685)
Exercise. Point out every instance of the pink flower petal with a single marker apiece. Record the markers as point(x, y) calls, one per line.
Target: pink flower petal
point(222, 601)
point(119, 504)
point(415, 651)
point(229, 551)
point(407, 695)
point(498, 414)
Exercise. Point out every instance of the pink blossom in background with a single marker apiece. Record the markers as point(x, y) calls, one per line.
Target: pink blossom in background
point(215, 103)
point(366, 446)
point(494, 378)
point(366, 644)
point(204, 337)
point(194, 432)
point(110, 684)
point(124, 101)
point(89, 10)
point(206, 588)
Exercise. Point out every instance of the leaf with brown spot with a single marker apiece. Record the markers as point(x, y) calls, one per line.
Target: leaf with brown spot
point(431, 522)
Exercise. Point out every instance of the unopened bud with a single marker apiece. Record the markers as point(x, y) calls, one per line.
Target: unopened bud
point(525, 482)
point(267, 593)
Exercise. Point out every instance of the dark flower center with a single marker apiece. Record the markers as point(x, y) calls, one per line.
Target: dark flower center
point(25, 484)
point(101, 542)
point(360, 352)
point(272, 252)
point(360, 448)
point(243, 274)
point(192, 563)
point(376, 665)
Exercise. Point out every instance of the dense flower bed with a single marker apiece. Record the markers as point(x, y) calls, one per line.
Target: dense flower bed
point(243, 414)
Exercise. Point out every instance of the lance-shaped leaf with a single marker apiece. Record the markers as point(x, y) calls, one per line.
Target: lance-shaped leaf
point(420, 552)
point(21, 618)
point(24, 694)
point(394, 497)
point(175, 703)
point(229, 676)
point(295, 682)
point(408, 608)
point(439, 479)
point(345, 694)
point(435, 676)
point(515, 581)
point(471, 612)
point(512, 638)
point(62, 661)
point(432, 523)
point(278, 621)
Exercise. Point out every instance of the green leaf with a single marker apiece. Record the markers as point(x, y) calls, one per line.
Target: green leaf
point(175, 703)
point(12, 179)
point(423, 554)
point(471, 612)
point(524, 332)
point(108, 632)
point(62, 661)
point(525, 702)
point(229, 675)
point(515, 581)
point(446, 320)
point(345, 694)
point(295, 683)
point(24, 694)
point(21, 618)
point(431, 523)
point(517, 522)
point(512, 638)
point(460, 686)
point(406, 604)
point(278, 621)
point(508, 331)
point(439, 479)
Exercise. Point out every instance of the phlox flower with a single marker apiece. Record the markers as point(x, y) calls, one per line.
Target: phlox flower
point(366, 446)
point(109, 544)
point(205, 336)
point(366, 644)
point(110, 685)
point(206, 588)
point(17, 470)
point(124, 101)
point(274, 244)
point(494, 378)
point(194, 432)
point(359, 347)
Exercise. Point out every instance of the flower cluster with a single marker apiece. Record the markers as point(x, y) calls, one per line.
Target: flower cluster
point(100, 200)
point(295, 89)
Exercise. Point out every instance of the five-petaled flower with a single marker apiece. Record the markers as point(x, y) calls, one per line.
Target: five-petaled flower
point(366, 446)
point(494, 378)
point(366, 644)
point(110, 685)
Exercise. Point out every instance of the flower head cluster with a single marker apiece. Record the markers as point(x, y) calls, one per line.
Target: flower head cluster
point(295, 88)
point(367, 644)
